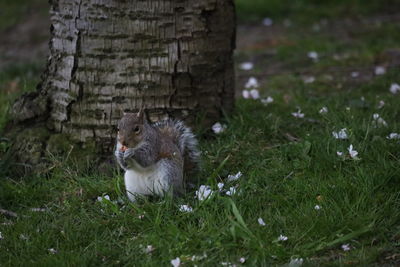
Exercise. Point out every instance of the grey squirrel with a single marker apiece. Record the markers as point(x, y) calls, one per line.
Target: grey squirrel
point(154, 155)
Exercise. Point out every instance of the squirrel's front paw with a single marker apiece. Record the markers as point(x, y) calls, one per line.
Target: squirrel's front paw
point(120, 158)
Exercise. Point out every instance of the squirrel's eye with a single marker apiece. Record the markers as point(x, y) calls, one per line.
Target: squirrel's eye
point(137, 130)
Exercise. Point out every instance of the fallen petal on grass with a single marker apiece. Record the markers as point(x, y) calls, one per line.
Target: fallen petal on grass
point(295, 262)
point(176, 262)
point(251, 83)
point(204, 192)
point(380, 70)
point(261, 222)
point(323, 110)
point(342, 134)
point(218, 127)
point(298, 114)
point(346, 247)
point(282, 238)
point(234, 177)
point(267, 100)
point(267, 22)
point(246, 66)
point(393, 136)
point(254, 94)
point(185, 208)
point(394, 88)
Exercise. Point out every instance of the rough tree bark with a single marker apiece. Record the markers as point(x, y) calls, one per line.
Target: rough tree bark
point(173, 57)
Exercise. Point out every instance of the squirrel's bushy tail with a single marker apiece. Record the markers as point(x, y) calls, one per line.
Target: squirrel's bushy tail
point(187, 142)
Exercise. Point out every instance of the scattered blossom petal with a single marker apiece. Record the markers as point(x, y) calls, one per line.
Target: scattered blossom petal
point(346, 247)
point(220, 186)
point(313, 55)
point(52, 251)
point(353, 153)
point(185, 208)
point(218, 127)
point(254, 94)
point(342, 134)
point(323, 110)
point(234, 177)
point(296, 262)
point(252, 83)
point(204, 192)
point(261, 222)
point(394, 88)
point(246, 94)
point(267, 22)
point(380, 70)
point(231, 191)
point(176, 262)
point(149, 249)
point(308, 79)
point(298, 114)
point(267, 100)
point(246, 66)
point(282, 238)
point(393, 136)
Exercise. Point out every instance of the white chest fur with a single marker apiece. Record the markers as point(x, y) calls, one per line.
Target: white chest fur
point(146, 181)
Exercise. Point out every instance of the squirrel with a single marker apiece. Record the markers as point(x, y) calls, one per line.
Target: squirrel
point(154, 155)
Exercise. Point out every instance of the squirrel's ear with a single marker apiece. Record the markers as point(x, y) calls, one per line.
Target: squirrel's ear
point(140, 114)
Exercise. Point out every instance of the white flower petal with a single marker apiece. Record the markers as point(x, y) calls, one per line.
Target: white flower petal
point(218, 127)
point(394, 88)
point(267, 22)
point(234, 177)
point(346, 247)
point(52, 251)
point(298, 114)
point(313, 55)
point(231, 191)
point(308, 79)
point(246, 66)
point(254, 94)
point(220, 186)
point(295, 262)
point(251, 83)
point(323, 110)
point(267, 100)
point(380, 70)
point(261, 222)
point(176, 262)
point(242, 260)
point(204, 192)
point(317, 207)
point(185, 208)
point(353, 153)
point(246, 94)
point(282, 238)
point(342, 134)
point(393, 136)
point(355, 74)
point(149, 249)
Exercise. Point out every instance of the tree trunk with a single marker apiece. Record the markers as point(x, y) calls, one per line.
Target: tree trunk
point(173, 57)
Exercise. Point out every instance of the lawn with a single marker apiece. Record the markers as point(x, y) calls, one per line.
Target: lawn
point(302, 197)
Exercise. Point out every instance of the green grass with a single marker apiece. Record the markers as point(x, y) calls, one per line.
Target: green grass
point(283, 180)
point(12, 12)
point(312, 10)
